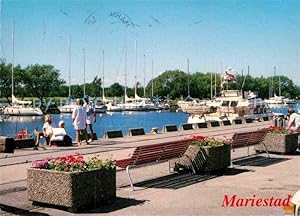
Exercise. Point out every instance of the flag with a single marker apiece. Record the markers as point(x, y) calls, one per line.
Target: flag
point(229, 75)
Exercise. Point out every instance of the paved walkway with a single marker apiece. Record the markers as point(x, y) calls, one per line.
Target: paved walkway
point(159, 193)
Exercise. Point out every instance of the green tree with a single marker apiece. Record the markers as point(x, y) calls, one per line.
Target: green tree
point(42, 81)
point(115, 90)
point(172, 83)
point(94, 88)
point(6, 80)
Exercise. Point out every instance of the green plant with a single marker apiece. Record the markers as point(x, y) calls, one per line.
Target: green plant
point(198, 140)
point(73, 163)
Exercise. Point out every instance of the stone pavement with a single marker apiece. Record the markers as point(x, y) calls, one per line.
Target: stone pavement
point(158, 192)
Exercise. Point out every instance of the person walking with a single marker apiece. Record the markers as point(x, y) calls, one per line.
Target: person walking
point(91, 116)
point(79, 121)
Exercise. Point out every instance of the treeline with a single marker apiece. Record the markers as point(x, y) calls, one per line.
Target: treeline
point(43, 81)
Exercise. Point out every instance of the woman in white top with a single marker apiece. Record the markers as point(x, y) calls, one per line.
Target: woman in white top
point(47, 132)
point(79, 120)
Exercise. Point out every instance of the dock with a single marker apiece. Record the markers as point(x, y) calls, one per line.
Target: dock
point(159, 192)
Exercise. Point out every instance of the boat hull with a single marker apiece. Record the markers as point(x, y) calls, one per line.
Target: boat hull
point(22, 111)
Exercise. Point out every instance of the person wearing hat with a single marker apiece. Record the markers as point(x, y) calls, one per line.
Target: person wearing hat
point(90, 116)
point(294, 121)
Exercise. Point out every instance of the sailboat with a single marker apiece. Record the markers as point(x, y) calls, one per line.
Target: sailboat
point(68, 108)
point(190, 104)
point(18, 107)
point(107, 105)
point(278, 100)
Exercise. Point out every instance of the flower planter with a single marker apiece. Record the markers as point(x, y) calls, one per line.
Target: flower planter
point(74, 190)
point(204, 159)
point(280, 143)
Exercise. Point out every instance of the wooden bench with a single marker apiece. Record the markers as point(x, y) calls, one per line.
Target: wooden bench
point(154, 153)
point(246, 139)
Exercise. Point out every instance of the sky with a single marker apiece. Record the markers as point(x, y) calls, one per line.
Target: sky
point(212, 34)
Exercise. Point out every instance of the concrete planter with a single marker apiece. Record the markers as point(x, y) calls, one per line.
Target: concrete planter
point(280, 143)
point(204, 158)
point(74, 190)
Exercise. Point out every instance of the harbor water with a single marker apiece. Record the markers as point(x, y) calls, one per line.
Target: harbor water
point(104, 122)
point(9, 126)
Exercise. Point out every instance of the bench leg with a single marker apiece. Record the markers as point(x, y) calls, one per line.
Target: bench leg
point(265, 147)
point(231, 163)
point(129, 177)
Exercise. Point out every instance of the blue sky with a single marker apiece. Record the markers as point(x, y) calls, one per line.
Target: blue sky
point(211, 33)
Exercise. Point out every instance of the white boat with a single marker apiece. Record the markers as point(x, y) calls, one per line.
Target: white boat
point(233, 104)
point(99, 106)
point(67, 108)
point(275, 100)
point(22, 108)
point(194, 106)
point(18, 107)
point(110, 105)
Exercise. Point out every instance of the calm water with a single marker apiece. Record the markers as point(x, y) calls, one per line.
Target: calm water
point(116, 121)
point(104, 122)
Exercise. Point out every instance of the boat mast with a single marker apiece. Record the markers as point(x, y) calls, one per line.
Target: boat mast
point(152, 76)
point(216, 82)
point(83, 71)
point(69, 66)
point(211, 78)
point(272, 83)
point(135, 76)
point(144, 75)
point(279, 84)
point(221, 81)
point(125, 70)
point(103, 95)
point(13, 59)
point(188, 73)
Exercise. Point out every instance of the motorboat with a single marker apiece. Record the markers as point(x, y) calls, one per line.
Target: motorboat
point(233, 105)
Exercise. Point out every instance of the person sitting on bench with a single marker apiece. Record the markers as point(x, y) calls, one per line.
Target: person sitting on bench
point(60, 136)
point(294, 121)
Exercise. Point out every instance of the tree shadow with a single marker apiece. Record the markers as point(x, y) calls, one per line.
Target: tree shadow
point(19, 211)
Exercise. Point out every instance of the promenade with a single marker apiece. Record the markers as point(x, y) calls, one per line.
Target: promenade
point(159, 192)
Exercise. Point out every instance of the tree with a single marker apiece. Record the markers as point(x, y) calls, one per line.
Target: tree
point(6, 80)
point(42, 81)
point(94, 88)
point(172, 83)
point(115, 90)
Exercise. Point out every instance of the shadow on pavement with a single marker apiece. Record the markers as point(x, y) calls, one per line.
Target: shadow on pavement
point(258, 161)
point(118, 204)
point(233, 171)
point(19, 211)
point(175, 181)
